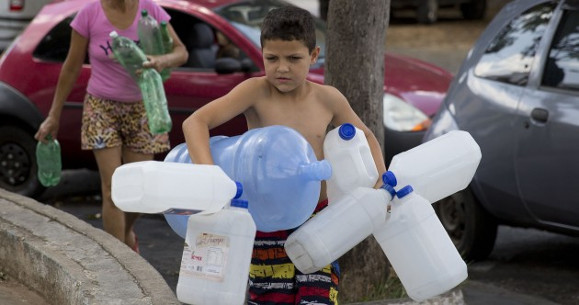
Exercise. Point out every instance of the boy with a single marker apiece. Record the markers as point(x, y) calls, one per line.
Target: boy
point(283, 97)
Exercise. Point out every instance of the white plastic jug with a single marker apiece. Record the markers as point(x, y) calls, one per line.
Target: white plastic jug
point(437, 168)
point(418, 248)
point(338, 228)
point(347, 150)
point(156, 187)
point(215, 263)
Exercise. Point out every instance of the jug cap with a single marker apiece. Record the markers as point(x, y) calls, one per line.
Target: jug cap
point(404, 191)
point(389, 178)
point(144, 13)
point(239, 189)
point(347, 131)
point(389, 189)
point(239, 203)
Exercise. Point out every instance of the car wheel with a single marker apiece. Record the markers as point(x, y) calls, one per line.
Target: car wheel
point(471, 228)
point(474, 10)
point(427, 11)
point(18, 162)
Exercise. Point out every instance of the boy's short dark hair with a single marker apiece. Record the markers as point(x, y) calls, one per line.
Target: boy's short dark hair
point(289, 23)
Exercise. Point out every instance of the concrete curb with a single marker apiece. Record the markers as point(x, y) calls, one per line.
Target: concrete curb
point(68, 261)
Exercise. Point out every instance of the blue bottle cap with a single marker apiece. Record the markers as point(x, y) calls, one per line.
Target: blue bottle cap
point(404, 191)
point(347, 131)
point(389, 178)
point(389, 189)
point(239, 203)
point(239, 189)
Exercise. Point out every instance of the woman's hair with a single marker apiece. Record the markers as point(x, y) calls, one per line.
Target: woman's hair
point(289, 23)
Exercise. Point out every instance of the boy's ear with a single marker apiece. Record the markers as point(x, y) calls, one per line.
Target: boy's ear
point(314, 55)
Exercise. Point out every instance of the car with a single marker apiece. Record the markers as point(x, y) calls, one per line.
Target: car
point(15, 16)
point(30, 67)
point(427, 10)
point(517, 94)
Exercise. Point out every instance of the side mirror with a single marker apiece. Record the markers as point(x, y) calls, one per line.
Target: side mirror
point(227, 65)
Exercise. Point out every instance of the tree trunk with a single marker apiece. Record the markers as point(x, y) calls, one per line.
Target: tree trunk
point(355, 66)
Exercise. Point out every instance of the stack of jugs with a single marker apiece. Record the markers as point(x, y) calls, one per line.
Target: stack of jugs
point(216, 257)
point(278, 170)
point(163, 187)
point(348, 152)
point(418, 248)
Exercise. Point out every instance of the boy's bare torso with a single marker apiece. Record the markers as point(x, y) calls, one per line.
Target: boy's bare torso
point(305, 109)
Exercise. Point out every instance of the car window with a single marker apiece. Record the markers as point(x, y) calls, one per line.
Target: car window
point(510, 55)
point(54, 46)
point(562, 65)
point(204, 43)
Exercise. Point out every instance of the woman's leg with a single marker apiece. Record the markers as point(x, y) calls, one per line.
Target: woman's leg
point(130, 218)
point(108, 159)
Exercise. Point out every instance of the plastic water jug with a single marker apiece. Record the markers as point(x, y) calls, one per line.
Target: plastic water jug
point(338, 228)
point(215, 263)
point(158, 187)
point(49, 162)
point(278, 170)
point(347, 150)
point(437, 168)
point(418, 248)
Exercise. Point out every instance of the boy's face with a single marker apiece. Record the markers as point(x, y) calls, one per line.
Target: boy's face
point(287, 63)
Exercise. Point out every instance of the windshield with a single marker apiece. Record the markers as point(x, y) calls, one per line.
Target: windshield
point(246, 17)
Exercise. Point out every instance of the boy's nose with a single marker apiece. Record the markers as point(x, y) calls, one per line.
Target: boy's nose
point(283, 67)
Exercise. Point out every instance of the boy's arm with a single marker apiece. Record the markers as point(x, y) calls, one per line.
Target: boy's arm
point(196, 127)
point(343, 113)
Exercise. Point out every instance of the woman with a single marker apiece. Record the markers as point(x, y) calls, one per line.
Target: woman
point(114, 124)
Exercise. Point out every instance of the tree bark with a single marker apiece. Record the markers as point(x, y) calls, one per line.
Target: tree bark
point(355, 66)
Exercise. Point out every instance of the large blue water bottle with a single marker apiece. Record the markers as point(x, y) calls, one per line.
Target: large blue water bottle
point(279, 172)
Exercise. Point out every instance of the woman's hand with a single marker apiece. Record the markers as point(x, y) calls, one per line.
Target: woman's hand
point(48, 127)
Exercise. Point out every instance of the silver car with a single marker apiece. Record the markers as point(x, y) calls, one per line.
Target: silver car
point(517, 93)
point(15, 15)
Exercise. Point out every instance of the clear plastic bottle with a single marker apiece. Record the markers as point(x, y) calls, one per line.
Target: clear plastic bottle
point(437, 168)
point(418, 248)
point(278, 169)
point(338, 228)
point(158, 187)
point(167, 47)
point(150, 37)
point(153, 92)
point(129, 55)
point(348, 152)
point(216, 258)
point(49, 162)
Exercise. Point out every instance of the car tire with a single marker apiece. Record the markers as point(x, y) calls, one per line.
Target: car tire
point(475, 9)
point(18, 162)
point(427, 11)
point(471, 228)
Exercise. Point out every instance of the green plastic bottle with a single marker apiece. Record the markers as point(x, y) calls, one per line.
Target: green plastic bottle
point(150, 37)
point(48, 162)
point(129, 55)
point(155, 101)
point(167, 47)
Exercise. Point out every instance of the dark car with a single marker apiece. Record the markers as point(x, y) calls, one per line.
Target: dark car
point(517, 93)
point(427, 10)
point(30, 67)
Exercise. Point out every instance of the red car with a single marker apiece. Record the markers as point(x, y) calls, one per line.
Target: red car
point(30, 67)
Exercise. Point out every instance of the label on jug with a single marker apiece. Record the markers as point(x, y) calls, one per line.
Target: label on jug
point(207, 258)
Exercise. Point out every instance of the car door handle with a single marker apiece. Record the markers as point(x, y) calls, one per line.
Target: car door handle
point(540, 115)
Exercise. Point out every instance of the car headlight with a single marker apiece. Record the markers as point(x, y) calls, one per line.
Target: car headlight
point(402, 116)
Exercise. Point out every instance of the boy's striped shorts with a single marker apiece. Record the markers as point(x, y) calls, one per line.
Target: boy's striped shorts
point(273, 278)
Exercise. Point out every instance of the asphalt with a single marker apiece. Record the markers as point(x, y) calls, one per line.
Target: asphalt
point(161, 248)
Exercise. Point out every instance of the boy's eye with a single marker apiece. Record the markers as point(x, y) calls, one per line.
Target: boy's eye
point(295, 58)
point(271, 58)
